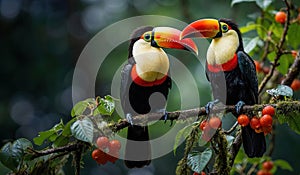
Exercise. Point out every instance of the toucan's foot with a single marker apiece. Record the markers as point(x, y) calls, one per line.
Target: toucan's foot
point(165, 116)
point(129, 118)
point(209, 106)
point(239, 107)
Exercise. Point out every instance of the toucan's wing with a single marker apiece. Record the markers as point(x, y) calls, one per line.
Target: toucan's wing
point(126, 82)
point(247, 68)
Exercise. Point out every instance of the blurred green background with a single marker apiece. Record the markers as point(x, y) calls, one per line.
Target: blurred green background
point(41, 40)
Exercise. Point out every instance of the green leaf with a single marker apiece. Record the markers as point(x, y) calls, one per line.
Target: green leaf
point(292, 119)
point(264, 4)
point(8, 158)
point(183, 133)
point(271, 56)
point(239, 1)
point(83, 130)
point(277, 29)
point(249, 27)
point(283, 164)
point(250, 44)
point(262, 28)
point(294, 35)
point(79, 108)
point(284, 63)
point(67, 129)
point(198, 160)
point(51, 134)
point(11, 154)
point(106, 106)
point(61, 141)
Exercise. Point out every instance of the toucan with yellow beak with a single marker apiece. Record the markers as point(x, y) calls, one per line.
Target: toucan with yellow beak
point(147, 74)
point(231, 72)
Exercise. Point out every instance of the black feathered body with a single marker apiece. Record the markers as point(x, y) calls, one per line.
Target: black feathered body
point(240, 84)
point(135, 100)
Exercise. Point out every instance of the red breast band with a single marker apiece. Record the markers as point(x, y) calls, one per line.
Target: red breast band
point(136, 79)
point(228, 66)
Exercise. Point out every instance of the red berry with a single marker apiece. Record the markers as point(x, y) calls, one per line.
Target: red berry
point(294, 52)
point(243, 120)
point(266, 121)
point(266, 70)
point(102, 143)
point(263, 172)
point(99, 156)
point(215, 122)
point(280, 17)
point(113, 156)
point(203, 124)
point(195, 173)
point(203, 173)
point(267, 130)
point(257, 66)
point(268, 165)
point(295, 85)
point(268, 110)
point(254, 123)
point(114, 145)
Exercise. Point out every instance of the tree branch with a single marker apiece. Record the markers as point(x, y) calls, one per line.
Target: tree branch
point(184, 114)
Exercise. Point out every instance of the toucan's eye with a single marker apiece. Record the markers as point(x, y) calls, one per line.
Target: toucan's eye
point(224, 28)
point(147, 36)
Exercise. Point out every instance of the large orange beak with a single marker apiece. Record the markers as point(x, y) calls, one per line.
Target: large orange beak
point(204, 28)
point(167, 37)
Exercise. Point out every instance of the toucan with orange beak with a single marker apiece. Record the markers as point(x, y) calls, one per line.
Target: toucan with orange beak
point(147, 74)
point(231, 72)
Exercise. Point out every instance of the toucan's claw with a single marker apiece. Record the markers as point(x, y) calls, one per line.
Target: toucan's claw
point(239, 107)
point(165, 115)
point(129, 118)
point(209, 106)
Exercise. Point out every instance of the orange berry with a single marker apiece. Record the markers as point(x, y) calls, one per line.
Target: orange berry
point(266, 121)
point(295, 85)
point(203, 124)
point(215, 122)
point(102, 143)
point(257, 66)
point(268, 110)
point(268, 165)
point(114, 145)
point(99, 156)
point(243, 120)
point(254, 123)
point(294, 52)
point(280, 17)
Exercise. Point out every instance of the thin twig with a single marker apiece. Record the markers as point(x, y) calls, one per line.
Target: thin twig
point(293, 71)
point(231, 129)
point(279, 50)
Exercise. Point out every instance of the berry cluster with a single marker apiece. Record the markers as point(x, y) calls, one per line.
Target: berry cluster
point(107, 151)
point(209, 127)
point(202, 173)
point(259, 124)
point(266, 168)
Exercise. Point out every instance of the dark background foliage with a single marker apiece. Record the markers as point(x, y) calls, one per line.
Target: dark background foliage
point(40, 41)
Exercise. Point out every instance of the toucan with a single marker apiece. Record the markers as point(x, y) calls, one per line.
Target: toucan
point(231, 72)
point(145, 84)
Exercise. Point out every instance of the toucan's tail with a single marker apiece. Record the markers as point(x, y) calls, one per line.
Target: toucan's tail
point(138, 149)
point(254, 143)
